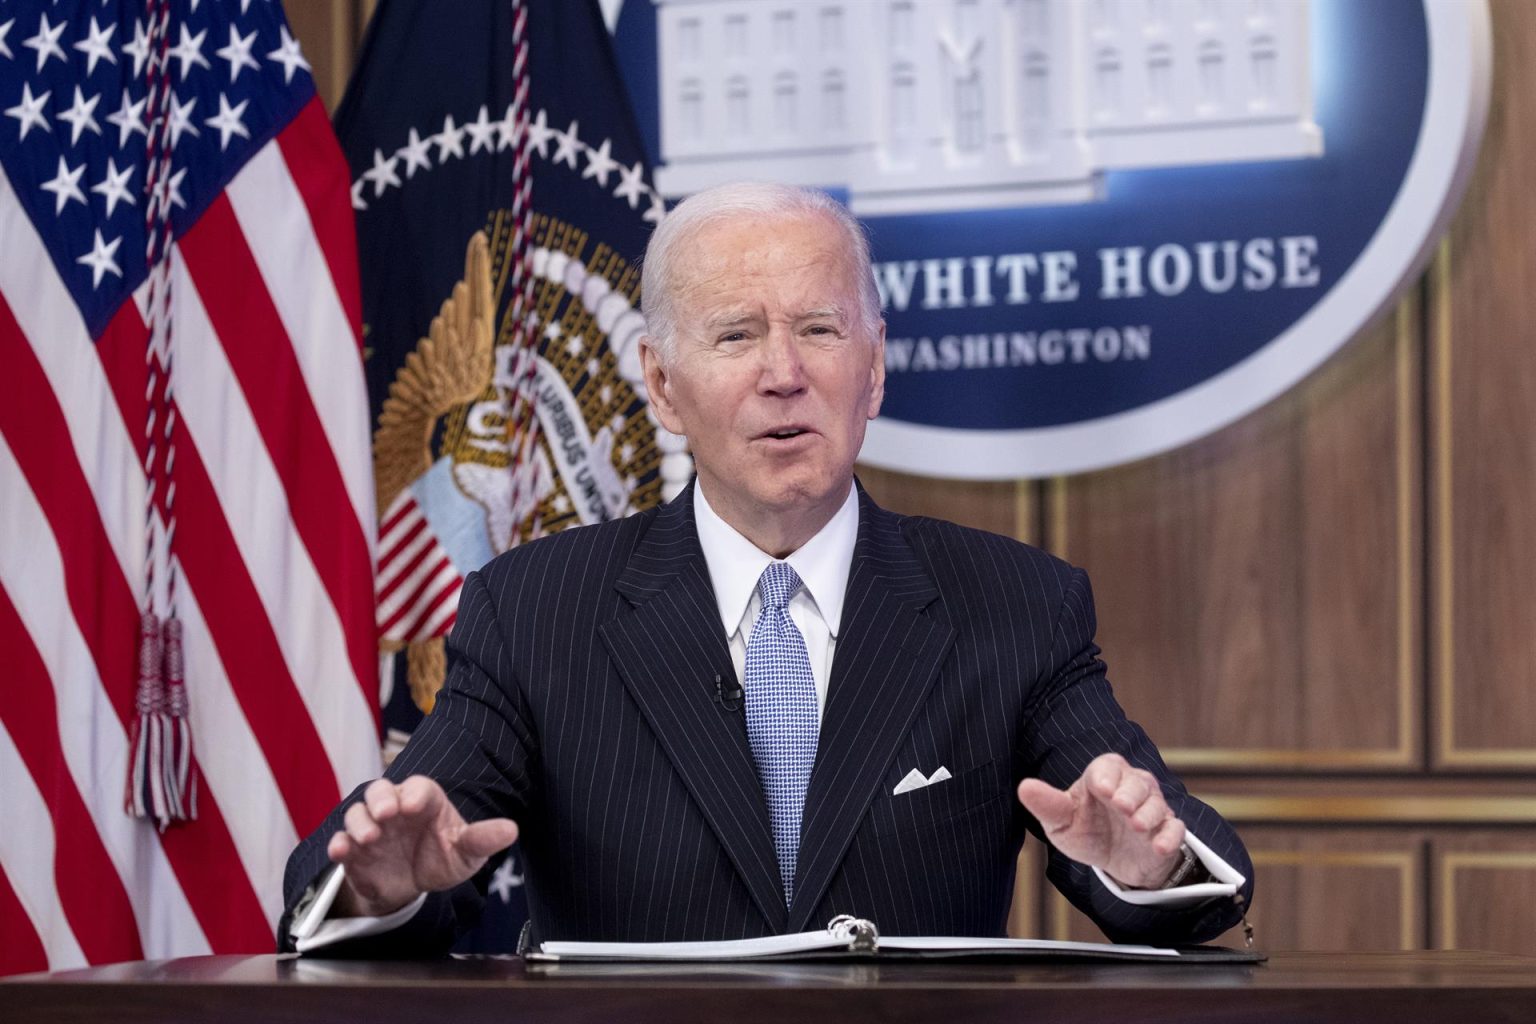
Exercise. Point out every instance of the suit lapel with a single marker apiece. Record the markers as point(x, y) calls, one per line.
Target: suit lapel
point(669, 649)
point(888, 655)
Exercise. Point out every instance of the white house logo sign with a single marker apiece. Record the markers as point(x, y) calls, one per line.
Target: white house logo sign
point(1102, 228)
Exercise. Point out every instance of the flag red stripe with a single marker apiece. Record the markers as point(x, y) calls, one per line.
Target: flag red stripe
point(248, 647)
point(404, 542)
point(394, 552)
point(263, 361)
point(226, 903)
point(423, 583)
point(319, 170)
point(452, 590)
point(21, 951)
point(404, 509)
point(99, 595)
point(107, 612)
point(121, 351)
point(90, 890)
point(237, 622)
point(407, 573)
point(113, 887)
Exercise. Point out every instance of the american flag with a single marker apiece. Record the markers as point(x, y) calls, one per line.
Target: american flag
point(266, 475)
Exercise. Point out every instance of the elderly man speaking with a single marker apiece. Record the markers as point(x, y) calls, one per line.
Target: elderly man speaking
point(770, 701)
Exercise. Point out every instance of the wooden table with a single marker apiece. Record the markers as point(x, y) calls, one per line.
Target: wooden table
point(1294, 988)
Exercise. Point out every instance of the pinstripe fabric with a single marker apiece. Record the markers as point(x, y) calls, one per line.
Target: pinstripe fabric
point(580, 701)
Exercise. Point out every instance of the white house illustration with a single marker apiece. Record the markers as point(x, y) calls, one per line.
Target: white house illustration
point(921, 105)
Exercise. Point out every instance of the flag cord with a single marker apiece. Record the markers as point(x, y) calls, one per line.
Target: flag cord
point(523, 427)
point(161, 782)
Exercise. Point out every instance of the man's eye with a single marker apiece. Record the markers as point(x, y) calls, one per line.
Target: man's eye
point(734, 336)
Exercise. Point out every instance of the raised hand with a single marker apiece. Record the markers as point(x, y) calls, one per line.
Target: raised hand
point(1113, 818)
point(406, 839)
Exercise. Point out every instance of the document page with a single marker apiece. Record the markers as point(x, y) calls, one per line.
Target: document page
point(845, 935)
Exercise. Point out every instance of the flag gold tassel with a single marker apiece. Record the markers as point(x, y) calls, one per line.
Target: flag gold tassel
point(161, 782)
point(178, 768)
point(145, 732)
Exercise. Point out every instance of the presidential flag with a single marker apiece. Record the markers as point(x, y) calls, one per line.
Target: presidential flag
point(184, 443)
point(503, 201)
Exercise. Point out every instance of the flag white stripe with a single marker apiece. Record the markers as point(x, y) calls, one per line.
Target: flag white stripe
point(445, 612)
point(389, 572)
point(51, 322)
point(438, 574)
point(405, 499)
point(26, 855)
point(407, 521)
point(234, 765)
point(87, 471)
point(395, 592)
point(250, 492)
point(276, 226)
point(391, 562)
point(94, 742)
point(70, 362)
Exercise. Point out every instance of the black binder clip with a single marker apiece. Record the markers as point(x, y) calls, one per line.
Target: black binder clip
point(861, 935)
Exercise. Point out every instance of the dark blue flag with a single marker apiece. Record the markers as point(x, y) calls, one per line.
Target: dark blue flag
point(503, 200)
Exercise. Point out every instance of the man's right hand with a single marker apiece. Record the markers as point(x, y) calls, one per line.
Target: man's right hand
point(407, 839)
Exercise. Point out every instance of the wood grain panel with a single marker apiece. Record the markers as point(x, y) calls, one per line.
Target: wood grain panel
point(1005, 508)
point(328, 31)
point(1485, 432)
point(1024, 917)
point(1258, 589)
point(1485, 888)
point(1345, 807)
point(1321, 890)
point(1442, 797)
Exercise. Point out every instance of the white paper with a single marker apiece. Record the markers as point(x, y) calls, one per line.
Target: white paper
point(807, 942)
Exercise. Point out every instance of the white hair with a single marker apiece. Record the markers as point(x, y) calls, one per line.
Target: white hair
point(669, 246)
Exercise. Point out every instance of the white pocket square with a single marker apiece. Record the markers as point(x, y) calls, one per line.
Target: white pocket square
point(917, 780)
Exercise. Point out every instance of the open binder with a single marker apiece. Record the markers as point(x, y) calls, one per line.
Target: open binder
point(848, 937)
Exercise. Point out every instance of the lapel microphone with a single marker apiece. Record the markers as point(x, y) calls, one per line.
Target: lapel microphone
point(728, 698)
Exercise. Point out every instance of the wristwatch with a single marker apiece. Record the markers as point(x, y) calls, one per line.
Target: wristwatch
point(1188, 871)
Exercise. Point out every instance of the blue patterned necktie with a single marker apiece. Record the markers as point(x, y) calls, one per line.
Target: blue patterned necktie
point(782, 719)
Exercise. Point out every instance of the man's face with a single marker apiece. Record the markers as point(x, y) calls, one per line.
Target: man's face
point(773, 377)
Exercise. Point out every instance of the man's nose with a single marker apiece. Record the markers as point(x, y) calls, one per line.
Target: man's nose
point(783, 369)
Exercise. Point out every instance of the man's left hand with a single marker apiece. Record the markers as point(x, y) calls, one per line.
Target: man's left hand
point(1113, 818)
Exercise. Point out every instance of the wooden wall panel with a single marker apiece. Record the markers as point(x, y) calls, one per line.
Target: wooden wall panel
point(1485, 886)
point(1323, 885)
point(1005, 508)
point(1025, 917)
point(1257, 590)
point(1345, 889)
point(1192, 623)
point(328, 31)
point(1484, 408)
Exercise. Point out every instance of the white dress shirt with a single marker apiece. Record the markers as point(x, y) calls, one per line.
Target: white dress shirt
point(822, 563)
point(735, 564)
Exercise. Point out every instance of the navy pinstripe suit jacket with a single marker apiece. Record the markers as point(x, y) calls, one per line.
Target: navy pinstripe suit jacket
point(581, 702)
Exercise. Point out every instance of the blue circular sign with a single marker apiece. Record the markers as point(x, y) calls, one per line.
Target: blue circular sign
point(1209, 210)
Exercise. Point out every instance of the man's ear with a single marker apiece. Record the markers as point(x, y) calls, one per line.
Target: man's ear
point(877, 373)
point(658, 386)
